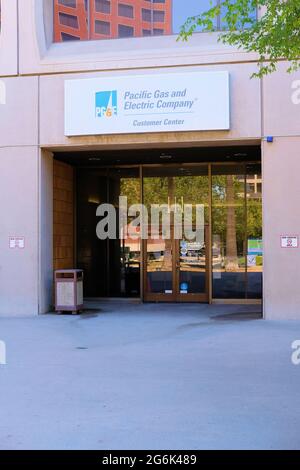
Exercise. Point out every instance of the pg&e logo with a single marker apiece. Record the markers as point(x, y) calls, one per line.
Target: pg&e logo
point(106, 104)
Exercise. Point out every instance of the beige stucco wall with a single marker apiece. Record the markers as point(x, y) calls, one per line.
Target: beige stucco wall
point(19, 217)
point(8, 39)
point(19, 196)
point(281, 193)
point(19, 114)
point(281, 101)
point(45, 228)
point(281, 196)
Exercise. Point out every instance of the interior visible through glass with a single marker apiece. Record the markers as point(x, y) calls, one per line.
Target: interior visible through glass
point(174, 266)
point(111, 266)
point(236, 231)
point(176, 263)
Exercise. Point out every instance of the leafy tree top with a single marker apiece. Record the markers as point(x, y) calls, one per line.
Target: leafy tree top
point(274, 35)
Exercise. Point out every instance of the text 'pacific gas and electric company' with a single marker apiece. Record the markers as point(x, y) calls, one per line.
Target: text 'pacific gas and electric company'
point(147, 103)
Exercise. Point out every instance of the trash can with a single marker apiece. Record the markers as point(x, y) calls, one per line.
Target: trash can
point(68, 285)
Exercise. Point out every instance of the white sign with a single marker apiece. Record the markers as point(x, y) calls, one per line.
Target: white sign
point(251, 260)
point(289, 241)
point(191, 101)
point(16, 242)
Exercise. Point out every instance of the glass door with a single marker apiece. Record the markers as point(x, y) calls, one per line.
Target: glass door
point(159, 244)
point(111, 265)
point(192, 259)
point(191, 192)
point(237, 255)
point(176, 255)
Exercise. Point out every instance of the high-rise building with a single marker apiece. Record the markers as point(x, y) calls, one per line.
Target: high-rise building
point(104, 19)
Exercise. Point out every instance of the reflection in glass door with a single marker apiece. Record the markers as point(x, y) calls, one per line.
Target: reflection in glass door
point(191, 190)
point(236, 231)
point(159, 245)
point(159, 265)
point(192, 269)
point(228, 229)
point(176, 254)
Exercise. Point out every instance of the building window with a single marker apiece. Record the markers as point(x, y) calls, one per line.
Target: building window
point(146, 15)
point(68, 20)
point(158, 16)
point(125, 31)
point(102, 6)
point(125, 10)
point(65, 31)
point(83, 19)
point(102, 27)
point(158, 32)
point(68, 3)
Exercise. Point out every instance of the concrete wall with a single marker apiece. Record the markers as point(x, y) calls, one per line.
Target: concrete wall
point(19, 196)
point(281, 193)
point(19, 217)
point(45, 247)
point(281, 217)
point(9, 38)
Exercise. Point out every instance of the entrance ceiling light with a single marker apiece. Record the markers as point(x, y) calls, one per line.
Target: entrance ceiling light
point(163, 156)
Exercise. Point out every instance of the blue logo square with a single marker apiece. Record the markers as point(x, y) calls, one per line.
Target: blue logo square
point(106, 104)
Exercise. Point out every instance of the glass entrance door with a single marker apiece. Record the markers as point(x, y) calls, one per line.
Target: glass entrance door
point(176, 254)
point(191, 273)
point(159, 250)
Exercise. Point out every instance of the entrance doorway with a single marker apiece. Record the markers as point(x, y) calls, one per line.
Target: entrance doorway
point(176, 257)
point(112, 265)
point(176, 270)
point(222, 263)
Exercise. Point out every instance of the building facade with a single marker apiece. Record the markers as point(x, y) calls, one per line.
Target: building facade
point(99, 100)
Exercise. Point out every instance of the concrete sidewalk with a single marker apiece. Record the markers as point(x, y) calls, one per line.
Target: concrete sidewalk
point(131, 376)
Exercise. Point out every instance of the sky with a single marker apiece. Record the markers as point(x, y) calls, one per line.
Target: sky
point(182, 9)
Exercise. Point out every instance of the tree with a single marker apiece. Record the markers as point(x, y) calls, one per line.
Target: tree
point(232, 263)
point(274, 35)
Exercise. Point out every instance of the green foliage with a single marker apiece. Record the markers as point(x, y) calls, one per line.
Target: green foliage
point(195, 189)
point(259, 260)
point(274, 35)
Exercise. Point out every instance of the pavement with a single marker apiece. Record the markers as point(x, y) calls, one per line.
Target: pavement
point(129, 376)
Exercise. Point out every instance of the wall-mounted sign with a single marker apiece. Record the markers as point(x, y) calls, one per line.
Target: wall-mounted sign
point(16, 242)
point(190, 101)
point(289, 241)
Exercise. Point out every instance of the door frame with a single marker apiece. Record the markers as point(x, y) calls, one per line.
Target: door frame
point(209, 270)
point(175, 296)
point(157, 296)
point(199, 297)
